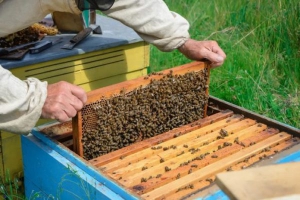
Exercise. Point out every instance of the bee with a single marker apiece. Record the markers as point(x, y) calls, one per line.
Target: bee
point(242, 144)
point(236, 140)
point(166, 148)
point(223, 133)
point(167, 169)
point(143, 180)
point(267, 149)
point(214, 156)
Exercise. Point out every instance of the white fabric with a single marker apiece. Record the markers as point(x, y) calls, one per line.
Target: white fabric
point(16, 15)
point(153, 20)
point(21, 102)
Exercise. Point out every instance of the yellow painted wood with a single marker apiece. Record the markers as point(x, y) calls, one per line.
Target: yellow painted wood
point(90, 71)
point(11, 155)
point(112, 80)
point(88, 67)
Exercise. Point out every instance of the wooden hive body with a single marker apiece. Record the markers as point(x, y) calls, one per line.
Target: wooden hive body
point(185, 160)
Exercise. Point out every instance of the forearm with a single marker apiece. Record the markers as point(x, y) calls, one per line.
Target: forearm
point(21, 102)
point(153, 21)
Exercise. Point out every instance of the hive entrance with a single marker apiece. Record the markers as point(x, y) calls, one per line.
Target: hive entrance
point(120, 115)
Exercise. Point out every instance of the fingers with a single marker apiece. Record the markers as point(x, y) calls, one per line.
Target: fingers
point(63, 101)
point(79, 93)
point(198, 50)
point(216, 57)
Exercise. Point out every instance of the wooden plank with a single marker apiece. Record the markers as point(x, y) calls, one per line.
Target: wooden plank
point(92, 85)
point(102, 160)
point(274, 181)
point(241, 165)
point(155, 160)
point(175, 160)
point(167, 177)
point(214, 168)
point(136, 83)
point(264, 154)
point(141, 155)
point(77, 136)
point(58, 131)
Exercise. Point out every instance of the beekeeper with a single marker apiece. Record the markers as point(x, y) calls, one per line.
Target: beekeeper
point(23, 102)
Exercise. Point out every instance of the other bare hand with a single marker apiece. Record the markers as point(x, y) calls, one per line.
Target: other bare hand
point(198, 50)
point(63, 101)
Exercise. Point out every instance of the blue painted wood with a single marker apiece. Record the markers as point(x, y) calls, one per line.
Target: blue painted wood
point(294, 157)
point(114, 34)
point(49, 174)
point(218, 195)
point(79, 162)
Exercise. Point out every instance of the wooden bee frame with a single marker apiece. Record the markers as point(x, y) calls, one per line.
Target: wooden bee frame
point(108, 91)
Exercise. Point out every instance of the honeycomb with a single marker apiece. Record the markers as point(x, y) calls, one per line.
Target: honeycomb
point(131, 116)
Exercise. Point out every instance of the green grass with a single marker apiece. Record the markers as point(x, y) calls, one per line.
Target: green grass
point(262, 41)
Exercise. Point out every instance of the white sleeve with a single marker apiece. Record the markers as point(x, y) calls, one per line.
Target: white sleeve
point(153, 21)
point(21, 102)
point(16, 15)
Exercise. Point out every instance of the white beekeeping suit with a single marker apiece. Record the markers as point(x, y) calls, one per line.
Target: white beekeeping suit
point(21, 102)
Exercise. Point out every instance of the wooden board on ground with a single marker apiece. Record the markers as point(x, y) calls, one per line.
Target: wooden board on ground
point(279, 181)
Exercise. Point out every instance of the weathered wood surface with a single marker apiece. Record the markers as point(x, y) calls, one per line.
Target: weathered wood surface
point(267, 182)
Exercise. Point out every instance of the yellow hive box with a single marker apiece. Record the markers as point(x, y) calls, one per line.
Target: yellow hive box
point(91, 65)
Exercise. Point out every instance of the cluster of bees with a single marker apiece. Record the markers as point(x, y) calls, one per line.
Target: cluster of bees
point(27, 35)
point(160, 106)
point(21, 37)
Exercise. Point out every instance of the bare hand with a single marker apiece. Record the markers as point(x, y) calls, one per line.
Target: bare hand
point(63, 101)
point(198, 50)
